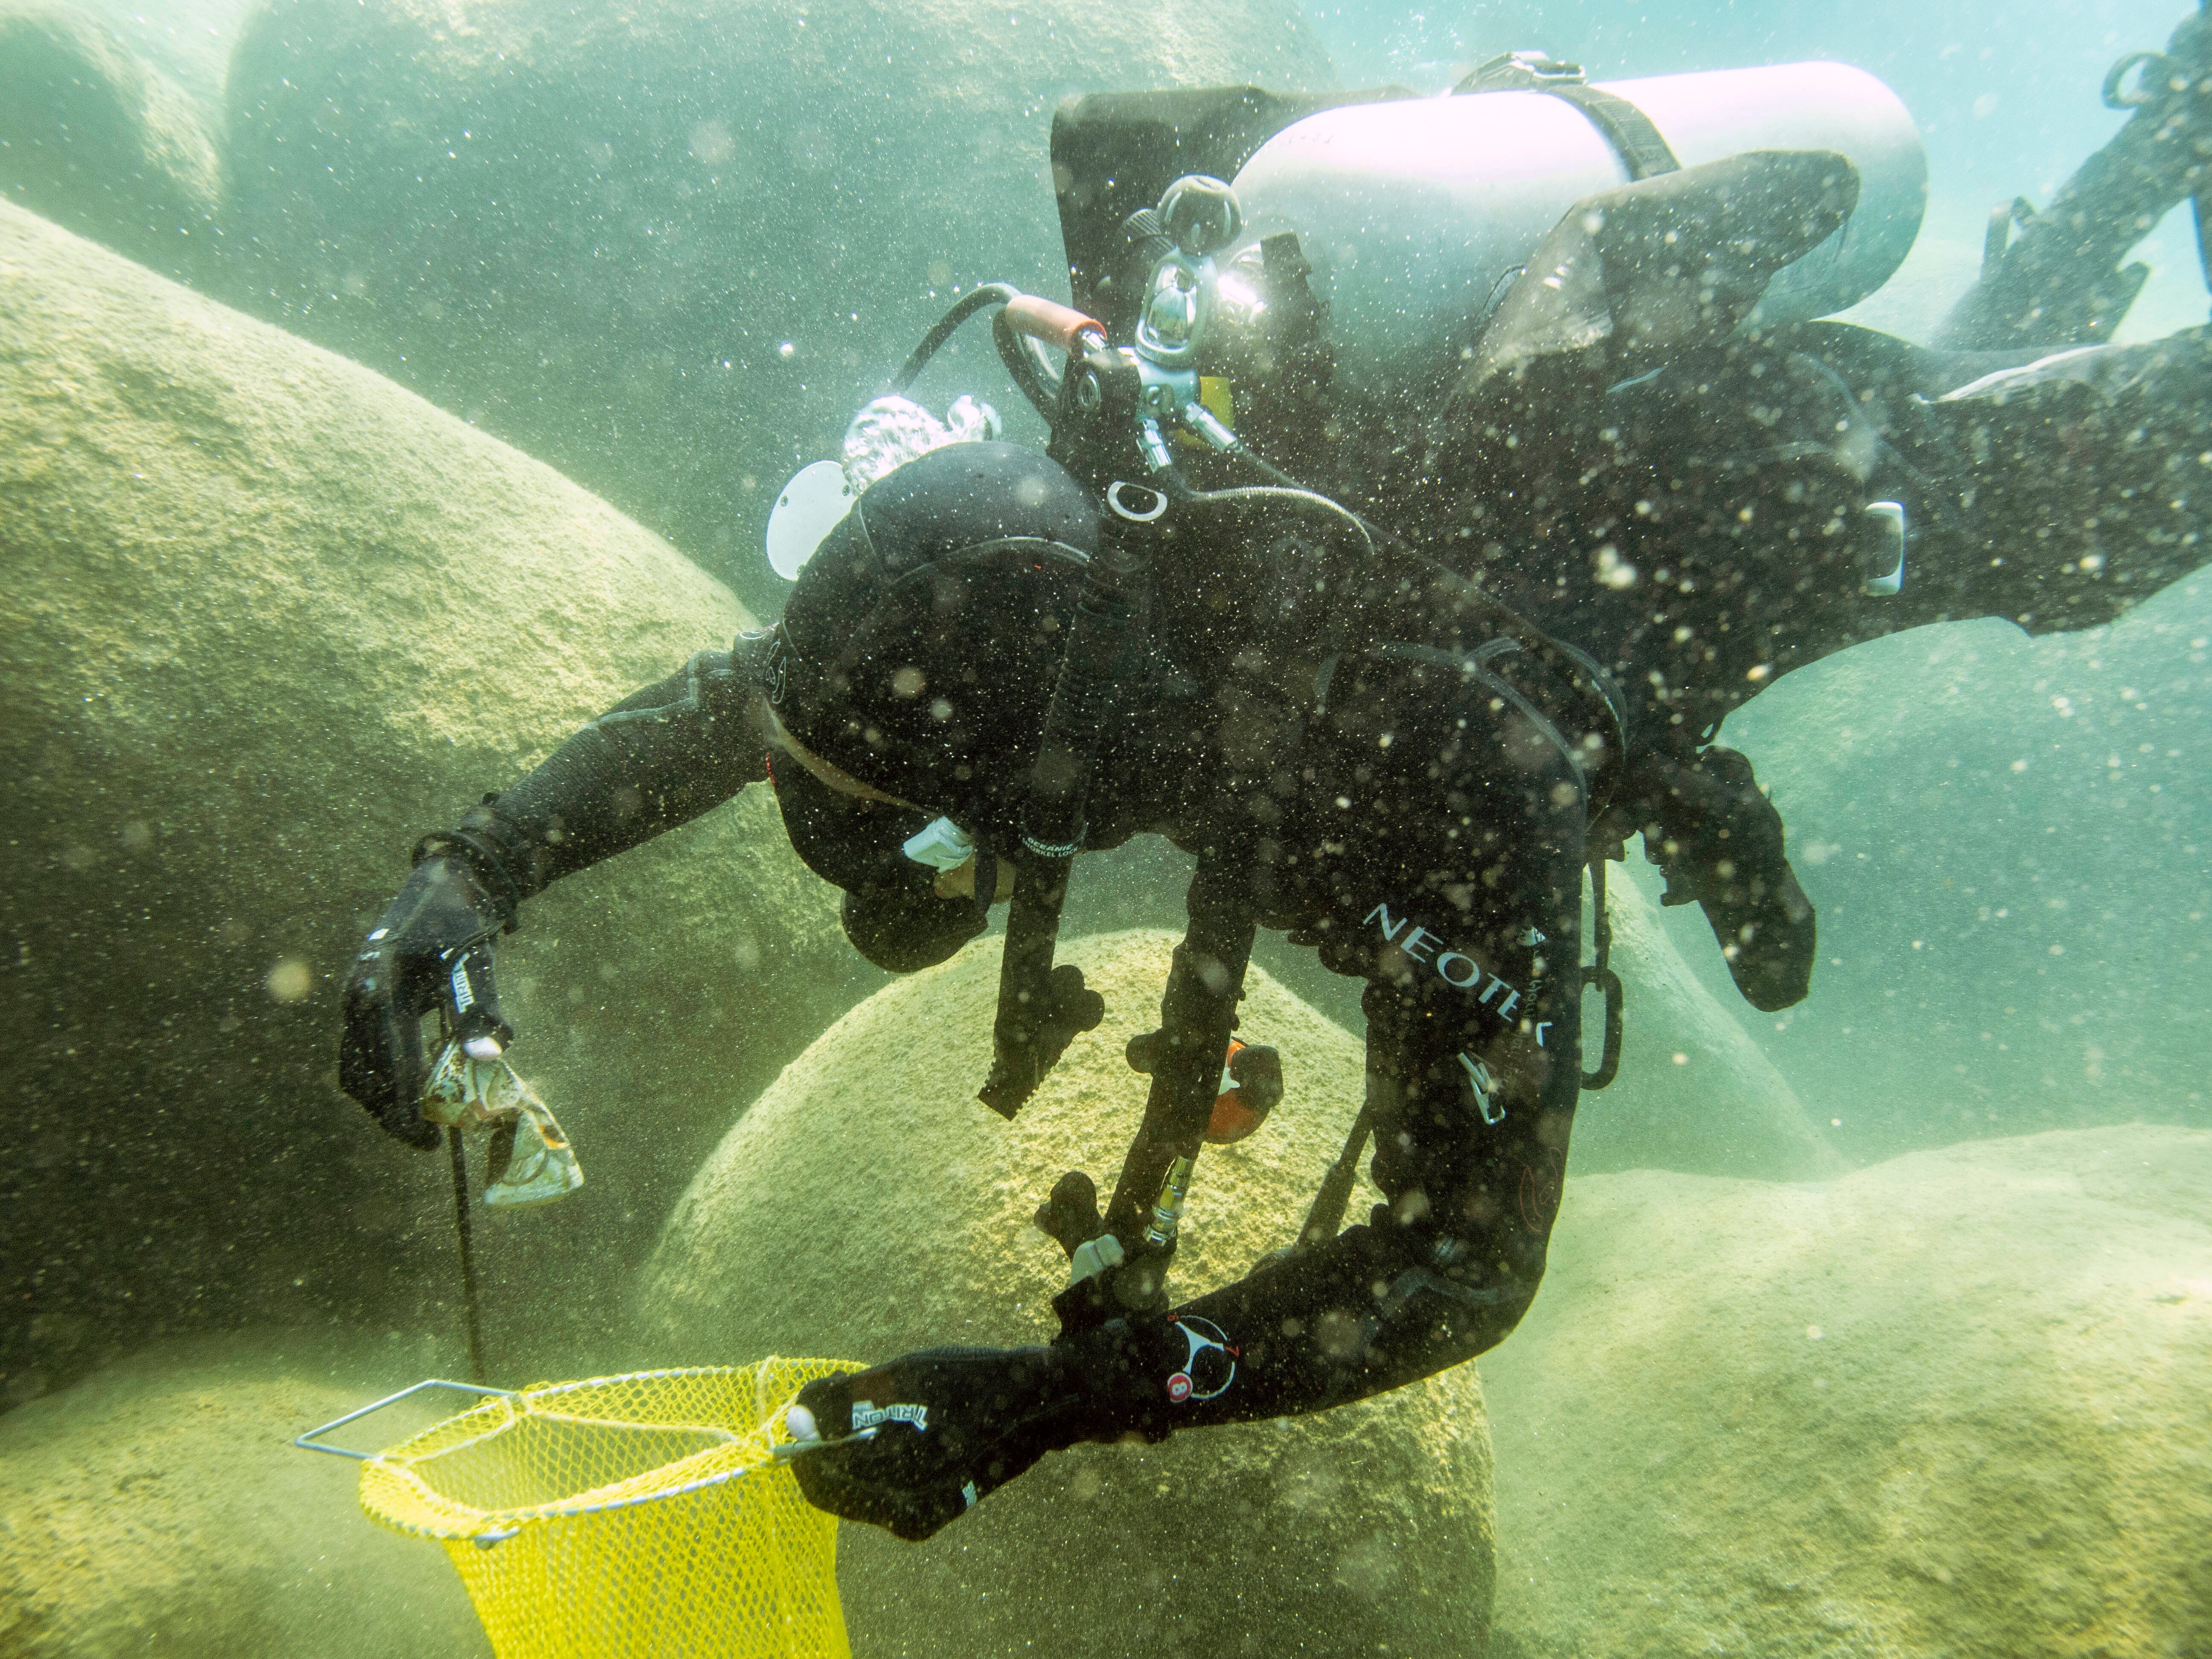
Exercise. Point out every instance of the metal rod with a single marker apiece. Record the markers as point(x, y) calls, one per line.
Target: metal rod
point(1167, 1209)
point(311, 1441)
point(463, 1226)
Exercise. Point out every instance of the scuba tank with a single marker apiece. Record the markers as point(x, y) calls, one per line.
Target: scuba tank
point(1417, 215)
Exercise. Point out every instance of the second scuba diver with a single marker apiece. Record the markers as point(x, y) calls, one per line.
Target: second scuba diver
point(1401, 745)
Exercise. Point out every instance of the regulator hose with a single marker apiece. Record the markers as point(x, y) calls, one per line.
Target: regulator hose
point(1291, 496)
point(1032, 372)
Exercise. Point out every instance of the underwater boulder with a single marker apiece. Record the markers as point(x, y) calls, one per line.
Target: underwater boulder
point(1958, 1403)
point(159, 1506)
point(672, 248)
point(1694, 1092)
point(267, 617)
point(101, 142)
point(867, 1205)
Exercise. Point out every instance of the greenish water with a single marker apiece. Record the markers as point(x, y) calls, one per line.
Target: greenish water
point(1952, 1399)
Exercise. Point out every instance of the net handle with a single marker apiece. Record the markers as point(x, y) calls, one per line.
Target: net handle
point(311, 1441)
point(500, 1534)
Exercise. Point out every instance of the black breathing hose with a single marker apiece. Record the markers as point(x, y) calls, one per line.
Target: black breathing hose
point(989, 294)
point(1032, 372)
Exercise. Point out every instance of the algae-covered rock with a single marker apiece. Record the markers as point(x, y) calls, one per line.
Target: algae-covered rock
point(188, 41)
point(867, 1205)
point(160, 1507)
point(1694, 1092)
point(1957, 1404)
point(265, 618)
point(669, 248)
point(101, 142)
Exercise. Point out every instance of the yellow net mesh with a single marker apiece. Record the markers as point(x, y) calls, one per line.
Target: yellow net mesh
point(642, 1513)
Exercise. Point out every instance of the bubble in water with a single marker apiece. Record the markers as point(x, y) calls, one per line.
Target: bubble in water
point(289, 981)
point(711, 143)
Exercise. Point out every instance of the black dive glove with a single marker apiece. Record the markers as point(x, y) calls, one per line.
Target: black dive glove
point(431, 948)
point(1718, 841)
point(942, 1426)
point(945, 1426)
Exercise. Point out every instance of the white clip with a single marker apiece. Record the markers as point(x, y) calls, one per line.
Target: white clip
point(1483, 1081)
point(1091, 1259)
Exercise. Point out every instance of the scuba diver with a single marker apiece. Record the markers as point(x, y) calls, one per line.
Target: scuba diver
point(1395, 649)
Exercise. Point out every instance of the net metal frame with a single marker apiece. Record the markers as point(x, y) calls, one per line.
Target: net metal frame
point(650, 1512)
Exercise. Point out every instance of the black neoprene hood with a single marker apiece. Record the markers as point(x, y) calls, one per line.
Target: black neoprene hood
point(919, 646)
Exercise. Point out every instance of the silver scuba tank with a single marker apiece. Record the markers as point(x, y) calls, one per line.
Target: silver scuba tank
point(1416, 215)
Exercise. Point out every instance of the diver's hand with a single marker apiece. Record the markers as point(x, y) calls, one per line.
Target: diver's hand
point(942, 1427)
point(433, 945)
point(1722, 847)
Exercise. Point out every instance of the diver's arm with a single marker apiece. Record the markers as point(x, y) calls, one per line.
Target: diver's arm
point(1438, 1276)
point(1374, 1309)
point(1443, 1269)
point(1471, 1101)
point(660, 758)
point(2072, 489)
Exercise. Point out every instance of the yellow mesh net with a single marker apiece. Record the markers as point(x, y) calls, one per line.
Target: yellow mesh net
point(642, 1513)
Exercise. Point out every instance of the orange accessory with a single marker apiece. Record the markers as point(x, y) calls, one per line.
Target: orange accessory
point(1254, 1080)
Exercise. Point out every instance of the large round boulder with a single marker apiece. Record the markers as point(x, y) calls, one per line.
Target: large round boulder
point(867, 1205)
point(671, 248)
point(264, 619)
point(99, 140)
point(159, 1506)
point(1956, 1404)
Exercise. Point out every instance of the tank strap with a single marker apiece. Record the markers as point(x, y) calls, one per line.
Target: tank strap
point(1642, 150)
point(1628, 128)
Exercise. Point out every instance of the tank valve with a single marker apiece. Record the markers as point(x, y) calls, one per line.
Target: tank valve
point(1201, 214)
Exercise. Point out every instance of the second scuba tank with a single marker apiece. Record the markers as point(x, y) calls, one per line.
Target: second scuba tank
point(1416, 214)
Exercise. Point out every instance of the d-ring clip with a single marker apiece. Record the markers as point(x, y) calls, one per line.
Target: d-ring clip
point(1126, 509)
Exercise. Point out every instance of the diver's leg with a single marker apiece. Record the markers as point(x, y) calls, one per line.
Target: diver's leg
point(2084, 482)
point(2056, 493)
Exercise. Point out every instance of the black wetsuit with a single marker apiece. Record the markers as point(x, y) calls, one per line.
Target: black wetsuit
point(1731, 489)
point(1413, 791)
point(1444, 864)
